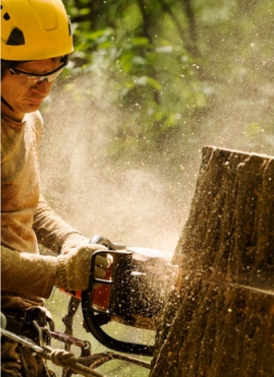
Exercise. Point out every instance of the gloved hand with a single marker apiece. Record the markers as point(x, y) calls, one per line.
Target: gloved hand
point(74, 240)
point(73, 267)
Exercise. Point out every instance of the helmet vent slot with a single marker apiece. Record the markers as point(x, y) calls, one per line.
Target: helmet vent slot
point(6, 16)
point(16, 38)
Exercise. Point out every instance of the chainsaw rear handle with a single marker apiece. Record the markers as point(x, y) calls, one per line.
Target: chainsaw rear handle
point(96, 317)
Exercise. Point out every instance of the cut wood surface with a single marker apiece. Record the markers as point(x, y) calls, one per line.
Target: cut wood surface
point(219, 321)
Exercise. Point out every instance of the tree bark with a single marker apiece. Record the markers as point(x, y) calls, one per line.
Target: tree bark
point(219, 320)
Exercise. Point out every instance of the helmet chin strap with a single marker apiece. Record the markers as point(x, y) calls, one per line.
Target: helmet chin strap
point(5, 64)
point(6, 103)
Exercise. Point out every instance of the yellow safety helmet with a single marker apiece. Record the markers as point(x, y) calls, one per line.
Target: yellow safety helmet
point(34, 30)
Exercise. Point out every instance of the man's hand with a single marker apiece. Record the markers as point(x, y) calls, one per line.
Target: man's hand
point(73, 267)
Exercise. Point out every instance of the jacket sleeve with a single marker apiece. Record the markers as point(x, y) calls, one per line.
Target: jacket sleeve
point(26, 273)
point(52, 232)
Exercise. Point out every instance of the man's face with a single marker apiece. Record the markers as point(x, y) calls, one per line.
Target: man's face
point(22, 96)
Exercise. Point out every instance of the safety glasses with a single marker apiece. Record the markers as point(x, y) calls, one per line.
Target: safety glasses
point(31, 79)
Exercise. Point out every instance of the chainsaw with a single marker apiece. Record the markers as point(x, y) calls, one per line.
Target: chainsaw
point(132, 293)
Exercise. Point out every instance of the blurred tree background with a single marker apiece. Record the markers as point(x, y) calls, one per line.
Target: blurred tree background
point(183, 72)
point(148, 85)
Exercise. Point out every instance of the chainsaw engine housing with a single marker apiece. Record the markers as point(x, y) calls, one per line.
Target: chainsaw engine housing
point(133, 293)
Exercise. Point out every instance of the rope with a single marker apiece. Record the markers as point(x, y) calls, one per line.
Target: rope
point(96, 360)
point(68, 321)
point(58, 357)
point(67, 359)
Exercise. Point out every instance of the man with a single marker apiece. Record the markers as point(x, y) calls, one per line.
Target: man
point(35, 41)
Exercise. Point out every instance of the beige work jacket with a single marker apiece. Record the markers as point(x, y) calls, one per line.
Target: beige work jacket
point(26, 219)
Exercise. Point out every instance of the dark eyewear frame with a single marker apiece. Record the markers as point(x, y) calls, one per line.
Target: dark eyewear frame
point(36, 78)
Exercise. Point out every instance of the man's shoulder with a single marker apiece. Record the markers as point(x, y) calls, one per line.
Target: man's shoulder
point(34, 117)
point(34, 120)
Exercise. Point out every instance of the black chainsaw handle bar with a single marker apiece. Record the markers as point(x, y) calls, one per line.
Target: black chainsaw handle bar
point(95, 321)
point(106, 242)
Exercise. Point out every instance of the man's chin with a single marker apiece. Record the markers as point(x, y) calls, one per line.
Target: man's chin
point(31, 107)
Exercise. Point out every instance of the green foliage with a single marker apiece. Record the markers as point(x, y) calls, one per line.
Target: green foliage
point(185, 73)
point(152, 73)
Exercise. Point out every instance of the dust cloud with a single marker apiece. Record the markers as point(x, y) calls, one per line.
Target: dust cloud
point(129, 203)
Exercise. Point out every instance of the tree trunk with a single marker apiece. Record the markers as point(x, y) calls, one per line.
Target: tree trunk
point(219, 321)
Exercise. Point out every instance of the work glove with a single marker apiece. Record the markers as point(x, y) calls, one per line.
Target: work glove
point(73, 267)
point(74, 240)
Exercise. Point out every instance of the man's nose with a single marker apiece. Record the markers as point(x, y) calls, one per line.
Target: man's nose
point(42, 87)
